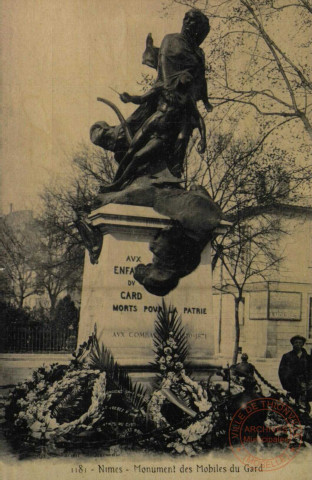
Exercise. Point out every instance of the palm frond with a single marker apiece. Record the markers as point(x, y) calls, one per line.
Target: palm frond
point(168, 325)
point(101, 358)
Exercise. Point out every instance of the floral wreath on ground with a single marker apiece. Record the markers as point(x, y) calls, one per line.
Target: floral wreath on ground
point(93, 398)
point(178, 388)
point(37, 410)
point(67, 401)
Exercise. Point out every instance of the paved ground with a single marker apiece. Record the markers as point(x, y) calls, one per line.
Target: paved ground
point(17, 367)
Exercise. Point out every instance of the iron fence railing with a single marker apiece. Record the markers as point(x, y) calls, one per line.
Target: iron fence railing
point(19, 339)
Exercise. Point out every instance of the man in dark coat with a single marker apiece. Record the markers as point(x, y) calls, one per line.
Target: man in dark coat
point(295, 372)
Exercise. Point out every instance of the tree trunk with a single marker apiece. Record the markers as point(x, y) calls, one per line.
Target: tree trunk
point(20, 297)
point(53, 299)
point(237, 329)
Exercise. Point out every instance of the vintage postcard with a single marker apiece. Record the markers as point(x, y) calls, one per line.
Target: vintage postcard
point(156, 239)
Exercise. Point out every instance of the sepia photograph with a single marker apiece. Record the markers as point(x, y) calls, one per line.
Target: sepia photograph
point(155, 239)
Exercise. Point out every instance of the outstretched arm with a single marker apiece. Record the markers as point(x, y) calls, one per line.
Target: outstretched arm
point(139, 99)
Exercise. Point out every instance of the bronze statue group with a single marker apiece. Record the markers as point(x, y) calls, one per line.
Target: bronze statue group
point(150, 149)
point(162, 125)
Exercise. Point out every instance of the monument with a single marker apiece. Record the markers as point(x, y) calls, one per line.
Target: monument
point(148, 237)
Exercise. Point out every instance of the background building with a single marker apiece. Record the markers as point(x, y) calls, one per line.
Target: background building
point(279, 306)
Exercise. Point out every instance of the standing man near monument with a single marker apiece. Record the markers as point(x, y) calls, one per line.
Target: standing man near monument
point(295, 372)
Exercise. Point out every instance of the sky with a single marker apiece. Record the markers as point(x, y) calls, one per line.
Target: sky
point(56, 57)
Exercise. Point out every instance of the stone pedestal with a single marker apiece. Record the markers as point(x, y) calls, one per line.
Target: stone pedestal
point(122, 310)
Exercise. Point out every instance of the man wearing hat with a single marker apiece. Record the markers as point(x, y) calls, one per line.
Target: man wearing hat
point(295, 372)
